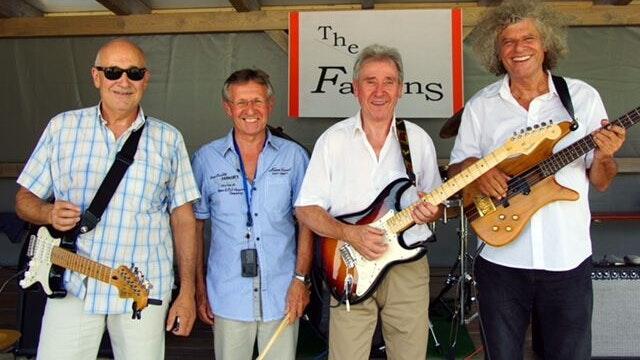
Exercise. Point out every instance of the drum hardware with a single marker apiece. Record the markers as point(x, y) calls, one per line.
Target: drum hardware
point(460, 277)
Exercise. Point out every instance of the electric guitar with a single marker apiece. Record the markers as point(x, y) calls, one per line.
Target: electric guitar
point(44, 251)
point(532, 186)
point(350, 277)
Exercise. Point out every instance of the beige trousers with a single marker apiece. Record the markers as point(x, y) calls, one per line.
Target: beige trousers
point(235, 340)
point(402, 300)
point(70, 334)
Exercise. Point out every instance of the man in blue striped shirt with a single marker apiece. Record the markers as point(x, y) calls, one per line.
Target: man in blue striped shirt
point(256, 274)
point(151, 205)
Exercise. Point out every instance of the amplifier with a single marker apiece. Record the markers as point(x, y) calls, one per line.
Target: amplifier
point(616, 312)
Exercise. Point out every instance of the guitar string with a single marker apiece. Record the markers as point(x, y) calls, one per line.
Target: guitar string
point(521, 182)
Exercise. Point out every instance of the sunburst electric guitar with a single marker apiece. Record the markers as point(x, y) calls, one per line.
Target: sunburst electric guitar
point(44, 252)
point(532, 186)
point(350, 277)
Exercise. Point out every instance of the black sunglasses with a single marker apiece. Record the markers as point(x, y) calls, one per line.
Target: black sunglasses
point(114, 72)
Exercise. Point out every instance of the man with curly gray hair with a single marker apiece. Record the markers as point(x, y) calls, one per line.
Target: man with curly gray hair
point(545, 272)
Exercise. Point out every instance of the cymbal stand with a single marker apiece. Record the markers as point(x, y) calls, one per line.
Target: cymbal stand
point(460, 276)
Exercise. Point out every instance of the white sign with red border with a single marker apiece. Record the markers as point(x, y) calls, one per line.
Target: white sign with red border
point(324, 45)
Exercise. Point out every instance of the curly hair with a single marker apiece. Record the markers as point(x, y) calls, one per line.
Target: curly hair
point(551, 25)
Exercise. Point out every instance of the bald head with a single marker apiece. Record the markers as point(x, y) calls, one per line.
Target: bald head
point(120, 46)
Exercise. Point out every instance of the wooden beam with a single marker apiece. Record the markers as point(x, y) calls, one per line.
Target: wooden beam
point(273, 18)
point(489, 2)
point(281, 38)
point(126, 7)
point(17, 8)
point(245, 5)
point(611, 2)
point(173, 23)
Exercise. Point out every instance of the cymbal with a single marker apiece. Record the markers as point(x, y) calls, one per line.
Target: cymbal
point(450, 127)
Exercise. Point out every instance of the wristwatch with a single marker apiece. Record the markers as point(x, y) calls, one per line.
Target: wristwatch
point(304, 278)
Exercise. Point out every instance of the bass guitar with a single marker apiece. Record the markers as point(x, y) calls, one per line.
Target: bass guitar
point(352, 278)
point(532, 186)
point(44, 252)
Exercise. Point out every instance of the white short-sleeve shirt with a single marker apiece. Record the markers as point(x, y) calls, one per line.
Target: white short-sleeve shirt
point(345, 176)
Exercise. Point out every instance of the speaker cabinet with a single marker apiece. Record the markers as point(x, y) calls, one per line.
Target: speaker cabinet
point(616, 312)
point(30, 311)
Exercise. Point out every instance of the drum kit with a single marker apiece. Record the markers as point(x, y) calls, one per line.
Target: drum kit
point(460, 276)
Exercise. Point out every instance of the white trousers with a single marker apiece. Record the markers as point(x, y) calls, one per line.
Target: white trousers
point(68, 333)
point(234, 340)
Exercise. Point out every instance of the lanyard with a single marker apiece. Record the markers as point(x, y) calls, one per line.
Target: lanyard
point(244, 185)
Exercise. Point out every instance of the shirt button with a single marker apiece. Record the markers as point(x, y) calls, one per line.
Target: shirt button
point(255, 214)
point(255, 289)
point(258, 238)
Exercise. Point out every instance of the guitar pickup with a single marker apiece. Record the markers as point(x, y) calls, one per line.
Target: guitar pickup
point(484, 205)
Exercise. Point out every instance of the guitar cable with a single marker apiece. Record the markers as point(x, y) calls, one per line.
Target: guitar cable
point(11, 278)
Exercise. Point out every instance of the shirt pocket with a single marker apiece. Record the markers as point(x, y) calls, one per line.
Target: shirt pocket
point(276, 194)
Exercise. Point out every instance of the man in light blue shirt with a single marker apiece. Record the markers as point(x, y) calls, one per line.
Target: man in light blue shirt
point(249, 179)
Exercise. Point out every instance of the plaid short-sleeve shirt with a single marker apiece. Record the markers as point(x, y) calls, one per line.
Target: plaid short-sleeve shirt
point(69, 163)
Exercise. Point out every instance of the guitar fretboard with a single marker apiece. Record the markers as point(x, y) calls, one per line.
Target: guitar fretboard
point(569, 154)
point(403, 220)
point(69, 260)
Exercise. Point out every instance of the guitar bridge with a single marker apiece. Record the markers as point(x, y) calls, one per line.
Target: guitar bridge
point(484, 205)
point(346, 252)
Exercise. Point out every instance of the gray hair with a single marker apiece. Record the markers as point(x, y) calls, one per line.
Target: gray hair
point(550, 24)
point(244, 76)
point(378, 52)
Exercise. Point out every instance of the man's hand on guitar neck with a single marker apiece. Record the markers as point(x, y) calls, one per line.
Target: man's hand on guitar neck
point(608, 141)
point(492, 183)
point(425, 212)
point(367, 240)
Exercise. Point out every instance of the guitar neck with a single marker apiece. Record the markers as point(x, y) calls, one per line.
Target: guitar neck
point(71, 261)
point(572, 152)
point(403, 220)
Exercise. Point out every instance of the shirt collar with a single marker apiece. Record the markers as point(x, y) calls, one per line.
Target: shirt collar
point(505, 91)
point(358, 129)
point(228, 142)
point(137, 123)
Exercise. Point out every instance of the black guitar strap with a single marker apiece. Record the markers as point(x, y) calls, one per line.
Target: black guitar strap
point(124, 158)
point(403, 138)
point(565, 97)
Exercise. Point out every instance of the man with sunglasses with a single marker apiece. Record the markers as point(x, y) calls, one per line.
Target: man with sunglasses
point(151, 205)
point(256, 275)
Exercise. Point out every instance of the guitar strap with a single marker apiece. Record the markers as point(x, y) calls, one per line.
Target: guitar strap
point(124, 158)
point(565, 97)
point(403, 138)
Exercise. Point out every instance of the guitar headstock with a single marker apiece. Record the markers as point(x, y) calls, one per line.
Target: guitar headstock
point(527, 140)
point(131, 285)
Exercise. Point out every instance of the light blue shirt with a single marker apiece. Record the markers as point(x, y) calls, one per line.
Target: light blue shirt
point(278, 178)
point(70, 161)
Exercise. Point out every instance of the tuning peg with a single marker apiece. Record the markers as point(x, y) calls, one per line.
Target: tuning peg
point(544, 123)
point(536, 126)
point(147, 284)
point(529, 128)
point(550, 122)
